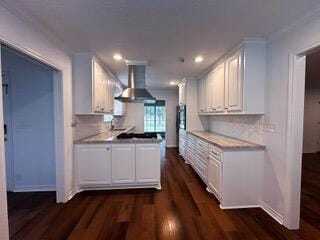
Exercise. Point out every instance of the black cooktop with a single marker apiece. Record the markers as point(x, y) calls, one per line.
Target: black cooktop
point(136, 135)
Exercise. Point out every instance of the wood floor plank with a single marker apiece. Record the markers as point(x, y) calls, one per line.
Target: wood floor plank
point(183, 209)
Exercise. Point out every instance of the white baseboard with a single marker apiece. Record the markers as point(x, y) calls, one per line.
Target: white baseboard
point(71, 194)
point(34, 188)
point(274, 214)
point(239, 207)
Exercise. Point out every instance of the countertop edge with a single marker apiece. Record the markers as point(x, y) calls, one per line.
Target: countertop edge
point(230, 148)
point(119, 141)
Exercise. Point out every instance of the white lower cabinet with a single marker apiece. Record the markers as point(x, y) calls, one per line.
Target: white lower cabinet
point(93, 164)
point(214, 176)
point(123, 163)
point(233, 175)
point(101, 166)
point(147, 163)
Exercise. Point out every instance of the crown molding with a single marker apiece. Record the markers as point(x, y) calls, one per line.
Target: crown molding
point(296, 24)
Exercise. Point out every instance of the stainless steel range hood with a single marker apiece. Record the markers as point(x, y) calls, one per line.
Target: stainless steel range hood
point(136, 91)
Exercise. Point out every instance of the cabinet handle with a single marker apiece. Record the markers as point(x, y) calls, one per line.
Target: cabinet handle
point(108, 148)
point(226, 108)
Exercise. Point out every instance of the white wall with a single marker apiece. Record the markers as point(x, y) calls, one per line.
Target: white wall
point(311, 128)
point(31, 90)
point(17, 32)
point(247, 127)
point(135, 114)
point(171, 98)
point(280, 46)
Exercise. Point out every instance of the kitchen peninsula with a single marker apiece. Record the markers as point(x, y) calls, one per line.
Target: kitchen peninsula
point(118, 160)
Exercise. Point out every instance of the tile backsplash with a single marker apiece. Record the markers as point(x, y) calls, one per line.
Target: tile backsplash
point(89, 125)
point(245, 127)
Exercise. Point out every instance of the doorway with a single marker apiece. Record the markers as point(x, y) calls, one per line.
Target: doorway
point(310, 180)
point(29, 131)
point(28, 123)
point(298, 90)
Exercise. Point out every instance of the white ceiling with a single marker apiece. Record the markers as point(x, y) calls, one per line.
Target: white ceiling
point(163, 30)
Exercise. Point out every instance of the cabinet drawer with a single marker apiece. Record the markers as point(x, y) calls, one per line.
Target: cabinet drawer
point(203, 158)
point(202, 145)
point(215, 152)
point(202, 152)
point(191, 138)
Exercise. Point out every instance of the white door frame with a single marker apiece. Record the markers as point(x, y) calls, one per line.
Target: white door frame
point(4, 227)
point(7, 119)
point(58, 115)
point(294, 136)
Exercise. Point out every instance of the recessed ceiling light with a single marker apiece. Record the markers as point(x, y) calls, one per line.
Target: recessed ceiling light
point(172, 83)
point(117, 57)
point(198, 59)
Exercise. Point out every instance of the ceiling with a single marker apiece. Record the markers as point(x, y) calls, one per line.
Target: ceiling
point(162, 30)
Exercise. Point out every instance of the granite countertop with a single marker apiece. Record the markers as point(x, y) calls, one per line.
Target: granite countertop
point(111, 137)
point(225, 142)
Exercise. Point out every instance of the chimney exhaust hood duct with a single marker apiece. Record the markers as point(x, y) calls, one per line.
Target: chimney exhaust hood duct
point(136, 91)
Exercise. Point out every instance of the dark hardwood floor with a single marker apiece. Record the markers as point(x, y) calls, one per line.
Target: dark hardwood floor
point(181, 210)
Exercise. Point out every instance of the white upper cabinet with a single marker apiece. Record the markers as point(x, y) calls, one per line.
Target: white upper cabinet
point(236, 84)
point(217, 102)
point(99, 88)
point(182, 93)
point(202, 96)
point(93, 86)
point(233, 82)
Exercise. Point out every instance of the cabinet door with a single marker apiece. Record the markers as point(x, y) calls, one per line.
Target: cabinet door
point(210, 92)
point(110, 91)
point(108, 98)
point(147, 163)
point(123, 163)
point(93, 164)
point(98, 88)
point(182, 94)
point(234, 82)
point(202, 94)
point(217, 99)
point(104, 91)
point(214, 176)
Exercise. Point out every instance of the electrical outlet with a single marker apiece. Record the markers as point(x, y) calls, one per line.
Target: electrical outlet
point(269, 127)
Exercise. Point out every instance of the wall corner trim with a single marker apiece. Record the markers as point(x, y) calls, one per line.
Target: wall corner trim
point(274, 214)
